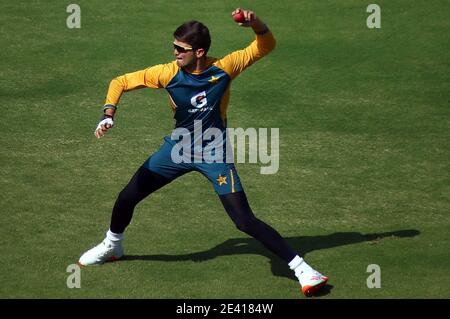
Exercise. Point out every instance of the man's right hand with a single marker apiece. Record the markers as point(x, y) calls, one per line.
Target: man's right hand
point(249, 17)
point(103, 126)
point(251, 20)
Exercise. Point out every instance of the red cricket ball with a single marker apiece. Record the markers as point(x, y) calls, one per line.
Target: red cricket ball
point(239, 17)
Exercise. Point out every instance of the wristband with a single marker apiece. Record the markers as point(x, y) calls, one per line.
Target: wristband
point(109, 106)
point(263, 31)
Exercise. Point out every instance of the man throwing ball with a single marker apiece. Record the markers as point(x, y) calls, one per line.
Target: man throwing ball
point(199, 90)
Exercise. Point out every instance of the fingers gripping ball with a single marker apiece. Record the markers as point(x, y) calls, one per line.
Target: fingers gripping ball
point(239, 17)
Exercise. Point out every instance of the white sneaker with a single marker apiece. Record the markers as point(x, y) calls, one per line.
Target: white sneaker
point(101, 253)
point(311, 281)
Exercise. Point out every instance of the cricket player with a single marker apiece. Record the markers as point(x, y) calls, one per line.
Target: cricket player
point(199, 90)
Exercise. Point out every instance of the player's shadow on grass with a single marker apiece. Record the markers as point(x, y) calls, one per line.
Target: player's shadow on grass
point(302, 244)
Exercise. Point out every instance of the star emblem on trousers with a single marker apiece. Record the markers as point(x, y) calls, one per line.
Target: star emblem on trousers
point(222, 180)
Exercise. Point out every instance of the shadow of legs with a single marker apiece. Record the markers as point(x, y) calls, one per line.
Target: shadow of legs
point(303, 244)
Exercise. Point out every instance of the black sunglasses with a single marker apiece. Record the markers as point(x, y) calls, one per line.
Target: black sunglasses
point(182, 49)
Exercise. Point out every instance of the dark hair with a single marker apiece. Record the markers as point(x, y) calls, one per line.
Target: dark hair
point(194, 33)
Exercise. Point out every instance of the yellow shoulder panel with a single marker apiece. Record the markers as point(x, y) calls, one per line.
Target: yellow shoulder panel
point(237, 61)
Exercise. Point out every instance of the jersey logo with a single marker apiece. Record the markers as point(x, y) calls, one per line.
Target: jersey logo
point(199, 100)
point(213, 80)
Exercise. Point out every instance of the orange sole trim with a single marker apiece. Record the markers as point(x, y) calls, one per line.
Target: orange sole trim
point(311, 290)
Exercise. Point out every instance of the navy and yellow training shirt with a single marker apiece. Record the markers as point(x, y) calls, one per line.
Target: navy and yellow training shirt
point(203, 96)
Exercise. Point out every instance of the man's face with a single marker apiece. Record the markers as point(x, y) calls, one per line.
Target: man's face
point(185, 54)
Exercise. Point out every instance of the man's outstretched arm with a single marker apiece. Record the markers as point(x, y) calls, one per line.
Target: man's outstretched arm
point(236, 62)
point(154, 77)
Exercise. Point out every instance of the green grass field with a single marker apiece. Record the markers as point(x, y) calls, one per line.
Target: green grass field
point(364, 172)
